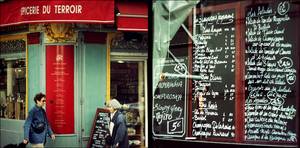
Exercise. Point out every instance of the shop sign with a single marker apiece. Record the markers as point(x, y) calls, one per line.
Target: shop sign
point(60, 88)
point(80, 11)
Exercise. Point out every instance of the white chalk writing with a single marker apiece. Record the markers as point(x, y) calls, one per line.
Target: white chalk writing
point(169, 100)
point(270, 75)
point(214, 64)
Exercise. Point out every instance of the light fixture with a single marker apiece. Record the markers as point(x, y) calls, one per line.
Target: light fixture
point(120, 61)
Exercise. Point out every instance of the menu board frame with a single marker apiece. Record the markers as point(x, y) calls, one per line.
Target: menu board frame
point(60, 87)
point(99, 110)
point(238, 97)
point(295, 46)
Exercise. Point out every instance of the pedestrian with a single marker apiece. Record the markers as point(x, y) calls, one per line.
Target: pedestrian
point(36, 126)
point(118, 129)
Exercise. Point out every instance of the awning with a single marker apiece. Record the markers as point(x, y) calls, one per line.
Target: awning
point(133, 16)
point(15, 12)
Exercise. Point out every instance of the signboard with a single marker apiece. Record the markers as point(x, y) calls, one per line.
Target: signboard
point(99, 129)
point(243, 76)
point(80, 11)
point(169, 102)
point(270, 62)
point(60, 88)
point(213, 83)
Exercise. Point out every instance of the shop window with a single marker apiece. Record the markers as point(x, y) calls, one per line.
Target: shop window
point(230, 73)
point(127, 86)
point(12, 80)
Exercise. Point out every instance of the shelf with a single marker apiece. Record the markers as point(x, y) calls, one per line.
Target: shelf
point(136, 135)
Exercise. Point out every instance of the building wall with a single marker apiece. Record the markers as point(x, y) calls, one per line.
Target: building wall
point(11, 131)
point(36, 72)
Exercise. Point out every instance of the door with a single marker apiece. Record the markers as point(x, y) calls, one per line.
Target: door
point(128, 85)
point(90, 86)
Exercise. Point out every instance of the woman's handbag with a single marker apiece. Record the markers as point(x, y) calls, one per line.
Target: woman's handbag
point(38, 127)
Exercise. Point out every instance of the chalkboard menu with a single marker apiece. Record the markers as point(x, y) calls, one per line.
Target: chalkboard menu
point(100, 129)
point(213, 81)
point(242, 76)
point(270, 63)
point(169, 101)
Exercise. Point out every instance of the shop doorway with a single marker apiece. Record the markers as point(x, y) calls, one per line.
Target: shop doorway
point(128, 85)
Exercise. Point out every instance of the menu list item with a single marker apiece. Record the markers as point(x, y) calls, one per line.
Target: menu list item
point(270, 110)
point(213, 83)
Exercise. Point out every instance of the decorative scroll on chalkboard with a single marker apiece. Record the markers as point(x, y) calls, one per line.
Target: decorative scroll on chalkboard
point(270, 63)
point(213, 84)
point(169, 100)
point(100, 129)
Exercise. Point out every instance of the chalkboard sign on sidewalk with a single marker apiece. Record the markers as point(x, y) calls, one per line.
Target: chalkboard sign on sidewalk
point(99, 129)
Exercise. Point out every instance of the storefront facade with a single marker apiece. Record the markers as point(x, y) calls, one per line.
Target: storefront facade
point(76, 63)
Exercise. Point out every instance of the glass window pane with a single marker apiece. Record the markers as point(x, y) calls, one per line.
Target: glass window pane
point(12, 80)
point(230, 70)
point(127, 86)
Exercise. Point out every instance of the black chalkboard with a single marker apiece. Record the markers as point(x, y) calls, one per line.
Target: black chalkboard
point(169, 101)
point(242, 76)
point(213, 110)
point(99, 129)
point(270, 63)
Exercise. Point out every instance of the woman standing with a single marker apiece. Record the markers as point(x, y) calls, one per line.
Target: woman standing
point(118, 129)
point(36, 126)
